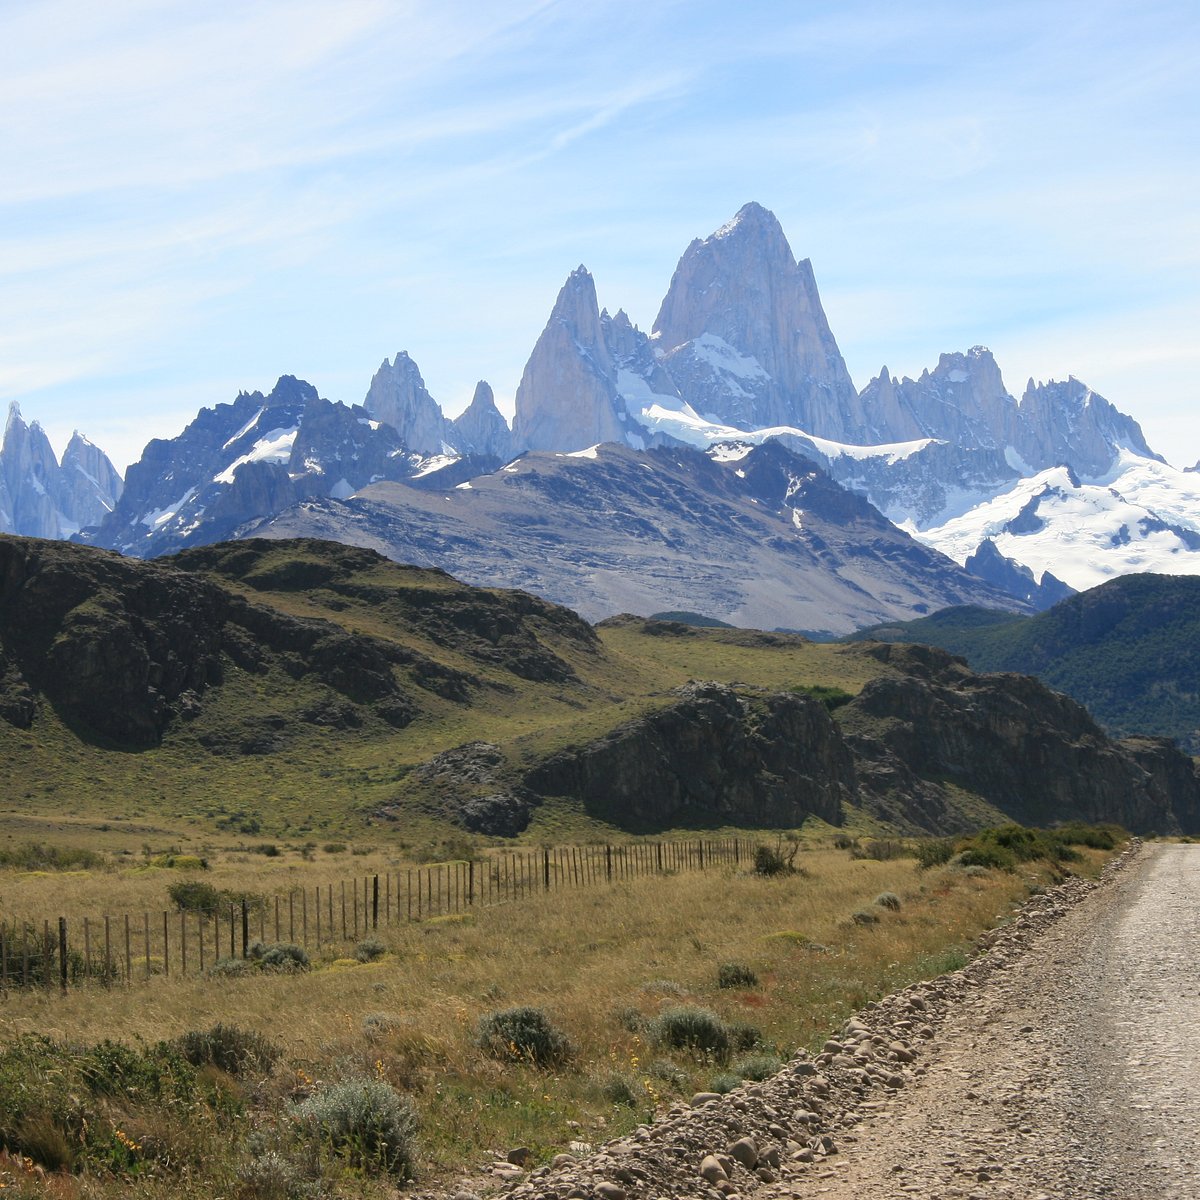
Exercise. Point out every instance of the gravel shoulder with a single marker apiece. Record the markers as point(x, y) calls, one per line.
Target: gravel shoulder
point(1058, 1065)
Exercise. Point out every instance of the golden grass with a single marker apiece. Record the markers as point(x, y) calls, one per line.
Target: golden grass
point(596, 960)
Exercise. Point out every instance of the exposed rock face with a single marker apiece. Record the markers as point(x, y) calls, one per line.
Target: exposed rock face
point(989, 564)
point(1069, 423)
point(711, 755)
point(745, 338)
point(398, 397)
point(481, 428)
point(40, 498)
point(1033, 754)
point(470, 785)
point(567, 399)
point(237, 463)
point(90, 484)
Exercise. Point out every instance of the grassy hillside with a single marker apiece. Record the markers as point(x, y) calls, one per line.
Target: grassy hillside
point(1129, 650)
point(272, 740)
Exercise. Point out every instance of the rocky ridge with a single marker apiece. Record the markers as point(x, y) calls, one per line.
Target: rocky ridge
point(783, 1137)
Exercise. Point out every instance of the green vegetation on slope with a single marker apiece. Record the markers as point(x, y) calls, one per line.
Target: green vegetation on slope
point(1128, 650)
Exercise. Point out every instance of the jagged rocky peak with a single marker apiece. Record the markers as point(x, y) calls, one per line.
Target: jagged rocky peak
point(567, 398)
point(1068, 422)
point(398, 397)
point(480, 428)
point(1016, 579)
point(745, 338)
point(41, 498)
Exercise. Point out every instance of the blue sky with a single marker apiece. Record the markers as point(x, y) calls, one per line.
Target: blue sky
point(200, 198)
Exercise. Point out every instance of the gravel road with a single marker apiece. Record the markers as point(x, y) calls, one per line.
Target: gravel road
point(1074, 1072)
point(1063, 1064)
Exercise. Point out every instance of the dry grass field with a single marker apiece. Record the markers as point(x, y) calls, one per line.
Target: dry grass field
point(601, 963)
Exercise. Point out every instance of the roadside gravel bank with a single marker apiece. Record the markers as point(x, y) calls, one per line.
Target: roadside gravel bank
point(1056, 1064)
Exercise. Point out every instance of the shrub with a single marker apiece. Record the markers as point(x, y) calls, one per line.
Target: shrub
point(664, 987)
point(888, 900)
point(1098, 837)
point(194, 895)
point(227, 1046)
point(523, 1033)
point(367, 1121)
point(270, 1176)
point(380, 1024)
point(369, 950)
point(284, 956)
point(670, 1073)
point(758, 1066)
point(630, 1018)
point(864, 916)
point(688, 1027)
point(726, 1082)
point(620, 1090)
point(775, 860)
point(231, 968)
point(334, 847)
point(744, 1036)
point(38, 856)
point(933, 852)
point(736, 975)
point(267, 849)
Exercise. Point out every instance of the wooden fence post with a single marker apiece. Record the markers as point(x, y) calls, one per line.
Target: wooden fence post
point(62, 953)
point(375, 902)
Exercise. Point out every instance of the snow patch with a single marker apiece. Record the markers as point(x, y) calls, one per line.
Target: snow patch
point(273, 447)
point(245, 429)
point(341, 490)
point(590, 452)
point(435, 463)
point(160, 516)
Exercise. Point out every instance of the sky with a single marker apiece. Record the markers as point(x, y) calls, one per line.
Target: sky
point(197, 199)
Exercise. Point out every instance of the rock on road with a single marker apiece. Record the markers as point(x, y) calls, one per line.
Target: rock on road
point(1073, 1074)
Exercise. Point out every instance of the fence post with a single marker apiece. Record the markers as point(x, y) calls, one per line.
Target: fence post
point(470, 882)
point(700, 848)
point(608, 863)
point(245, 928)
point(166, 947)
point(375, 902)
point(62, 953)
point(546, 870)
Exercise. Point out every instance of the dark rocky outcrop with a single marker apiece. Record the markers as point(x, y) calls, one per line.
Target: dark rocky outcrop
point(470, 784)
point(714, 756)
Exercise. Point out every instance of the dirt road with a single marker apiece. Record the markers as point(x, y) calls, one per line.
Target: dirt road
point(1073, 1073)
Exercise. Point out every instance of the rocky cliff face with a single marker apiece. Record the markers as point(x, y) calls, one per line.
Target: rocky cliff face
point(236, 463)
point(39, 497)
point(398, 397)
point(711, 755)
point(743, 334)
point(1011, 577)
point(481, 428)
point(1031, 753)
point(567, 399)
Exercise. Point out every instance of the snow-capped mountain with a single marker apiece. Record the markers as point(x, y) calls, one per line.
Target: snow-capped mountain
point(740, 354)
point(1140, 515)
point(239, 462)
point(41, 497)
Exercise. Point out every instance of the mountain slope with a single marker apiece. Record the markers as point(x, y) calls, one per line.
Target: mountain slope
point(757, 537)
point(1129, 650)
point(296, 686)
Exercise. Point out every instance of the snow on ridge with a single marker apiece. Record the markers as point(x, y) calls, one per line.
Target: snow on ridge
point(435, 463)
point(589, 452)
point(273, 447)
point(721, 356)
point(1106, 526)
point(245, 429)
point(160, 516)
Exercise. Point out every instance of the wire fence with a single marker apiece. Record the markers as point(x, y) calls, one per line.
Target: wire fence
point(117, 949)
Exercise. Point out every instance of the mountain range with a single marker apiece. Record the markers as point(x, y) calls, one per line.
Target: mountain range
point(1033, 497)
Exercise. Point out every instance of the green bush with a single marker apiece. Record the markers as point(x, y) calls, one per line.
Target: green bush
point(194, 895)
point(283, 956)
point(736, 975)
point(864, 916)
point(525, 1034)
point(367, 1121)
point(882, 850)
point(743, 1035)
point(369, 950)
point(888, 900)
point(779, 859)
point(726, 1082)
point(933, 852)
point(38, 856)
point(758, 1066)
point(271, 1176)
point(231, 968)
point(688, 1027)
point(621, 1090)
point(226, 1046)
